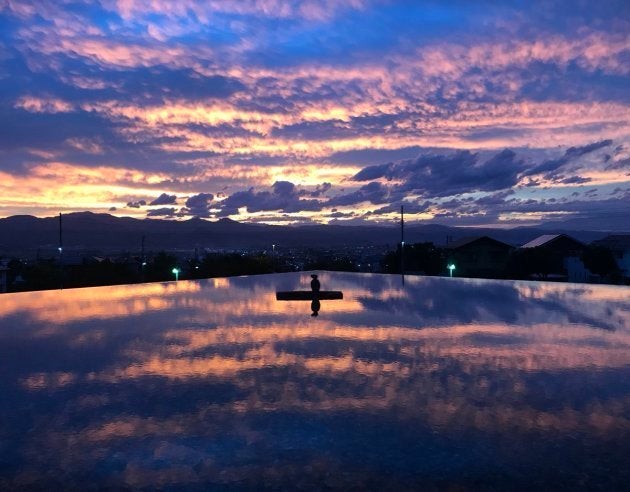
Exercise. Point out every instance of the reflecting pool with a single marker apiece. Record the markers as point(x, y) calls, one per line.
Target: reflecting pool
point(438, 384)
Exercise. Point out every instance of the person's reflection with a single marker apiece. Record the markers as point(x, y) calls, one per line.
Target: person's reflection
point(315, 306)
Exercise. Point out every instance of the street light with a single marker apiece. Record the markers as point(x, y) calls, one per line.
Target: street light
point(176, 273)
point(451, 267)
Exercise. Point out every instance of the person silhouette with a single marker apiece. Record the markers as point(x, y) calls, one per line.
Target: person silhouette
point(315, 286)
point(315, 295)
point(315, 305)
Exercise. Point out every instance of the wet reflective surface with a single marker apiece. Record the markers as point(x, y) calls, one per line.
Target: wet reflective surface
point(442, 383)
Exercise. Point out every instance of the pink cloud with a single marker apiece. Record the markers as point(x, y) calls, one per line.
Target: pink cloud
point(43, 105)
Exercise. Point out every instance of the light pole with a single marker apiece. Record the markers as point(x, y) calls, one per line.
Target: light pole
point(176, 273)
point(402, 243)
point(60, 249)
point(451, 267)
point(143, 260)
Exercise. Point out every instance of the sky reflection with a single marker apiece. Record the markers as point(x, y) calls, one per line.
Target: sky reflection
point(216, 382)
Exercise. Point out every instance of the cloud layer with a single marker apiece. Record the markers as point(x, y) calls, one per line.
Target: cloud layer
point(268, 108)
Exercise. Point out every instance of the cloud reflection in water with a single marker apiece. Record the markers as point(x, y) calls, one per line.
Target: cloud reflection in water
point(215, 382)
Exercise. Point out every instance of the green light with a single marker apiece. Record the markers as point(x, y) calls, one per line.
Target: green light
point(176, 273)
point(451, 267)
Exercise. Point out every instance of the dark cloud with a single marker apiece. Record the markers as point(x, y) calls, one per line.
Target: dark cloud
point(198, 205)
point(409, 207)
point(294, 220)
point(162, 212)
point(445, 175)
point(575, 180)
point(586, 149)
point(138, 204)
point(200, 200)
point(497, 198)
point(284, 197)
point(373, 192)
point(599, 214)
point(373, 172)
point(283, 188)
point(620, 164)
point(552, 166)
point(319, 190)
point(164, 199)
point(549, 166)
point(340, 215)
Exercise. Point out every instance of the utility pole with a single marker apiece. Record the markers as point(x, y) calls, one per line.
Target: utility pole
point(402, 244)
point(60, 253)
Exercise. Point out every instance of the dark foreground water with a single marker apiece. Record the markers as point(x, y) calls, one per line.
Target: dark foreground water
point(440, 384)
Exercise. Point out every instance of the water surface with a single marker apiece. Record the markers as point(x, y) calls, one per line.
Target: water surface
point(442, 383)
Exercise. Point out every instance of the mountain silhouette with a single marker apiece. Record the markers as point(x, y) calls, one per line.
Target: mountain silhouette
point(87, 230)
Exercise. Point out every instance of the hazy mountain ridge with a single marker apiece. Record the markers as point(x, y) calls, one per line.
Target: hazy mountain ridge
point(86, 230)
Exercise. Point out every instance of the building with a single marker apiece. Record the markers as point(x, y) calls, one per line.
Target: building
point(479, 256)
point(619, 245)
point(556, 256)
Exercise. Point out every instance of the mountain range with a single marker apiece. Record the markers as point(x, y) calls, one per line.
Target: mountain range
point(90, 231)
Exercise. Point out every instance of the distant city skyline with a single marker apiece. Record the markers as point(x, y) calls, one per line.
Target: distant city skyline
point(483, 113)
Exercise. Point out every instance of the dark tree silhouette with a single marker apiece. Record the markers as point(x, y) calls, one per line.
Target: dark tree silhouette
point(524, 263)
point(161, 268)
point(226, 265)
point(600, 260)
point(420, 257)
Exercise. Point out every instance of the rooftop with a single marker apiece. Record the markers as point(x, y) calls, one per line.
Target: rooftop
point(440, 383)
point(472, 239)
point(541, 240)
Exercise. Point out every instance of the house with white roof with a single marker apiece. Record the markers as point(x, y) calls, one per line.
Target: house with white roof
point(564, 253)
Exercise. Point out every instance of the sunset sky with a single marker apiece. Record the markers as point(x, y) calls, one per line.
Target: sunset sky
point(467, 112)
